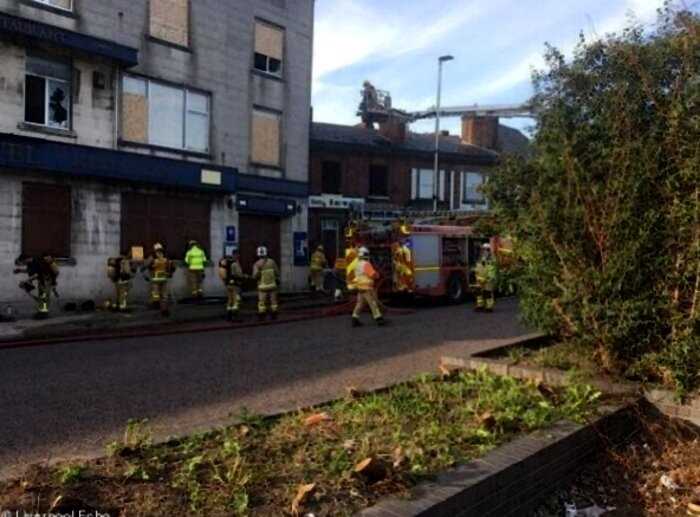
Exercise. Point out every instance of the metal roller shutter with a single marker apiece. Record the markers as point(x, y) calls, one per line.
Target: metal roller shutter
point(46, 219)
point(172, 221)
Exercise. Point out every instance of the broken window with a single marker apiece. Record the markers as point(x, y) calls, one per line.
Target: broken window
point(378, 181)
point(265, 138)
point(66, 5)
point(169, 21)
point(168, 116)
point(269, 48)
point(472, 193)
point(330, 178)
point(47, 92)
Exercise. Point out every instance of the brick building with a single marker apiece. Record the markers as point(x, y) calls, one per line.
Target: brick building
point(126, 122)
point(382, 172)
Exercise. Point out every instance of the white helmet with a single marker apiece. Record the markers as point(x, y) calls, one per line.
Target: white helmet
point(262, 252)
point(486, 246)
point(363, 252)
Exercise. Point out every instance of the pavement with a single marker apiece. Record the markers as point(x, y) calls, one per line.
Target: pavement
point(70, 400)
point(62, 324)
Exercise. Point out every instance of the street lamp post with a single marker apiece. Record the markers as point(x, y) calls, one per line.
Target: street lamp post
point(436, 176)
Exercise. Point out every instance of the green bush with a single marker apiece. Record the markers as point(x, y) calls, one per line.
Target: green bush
point(605, 212)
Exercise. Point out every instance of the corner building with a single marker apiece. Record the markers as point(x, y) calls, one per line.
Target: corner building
point(129, 122)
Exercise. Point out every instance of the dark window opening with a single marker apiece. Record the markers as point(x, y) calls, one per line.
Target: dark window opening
point(267, 64)
point(378, 181)
point(331, 178)
point(46, 219)
point(35, 103)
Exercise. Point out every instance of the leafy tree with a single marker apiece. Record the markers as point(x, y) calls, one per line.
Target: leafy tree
point(606, 211)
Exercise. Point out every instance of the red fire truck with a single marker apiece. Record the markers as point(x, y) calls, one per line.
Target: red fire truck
point(440, 259)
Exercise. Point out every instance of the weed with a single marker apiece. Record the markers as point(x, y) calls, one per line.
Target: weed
point(136, 472)
point(516, 354)
point(137, 436)
point(71, 474)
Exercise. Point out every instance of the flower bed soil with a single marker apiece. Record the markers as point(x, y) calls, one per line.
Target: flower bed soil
point(331, 460)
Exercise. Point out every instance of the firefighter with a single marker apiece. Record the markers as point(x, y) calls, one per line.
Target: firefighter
point(403, 266)
point(319, 262)
point(364, 278)
point(42, 274)
point(161, 269)
point(232, 276)
point(485, 281)
point(120, 271)
point(267, 274)
point(195, 260)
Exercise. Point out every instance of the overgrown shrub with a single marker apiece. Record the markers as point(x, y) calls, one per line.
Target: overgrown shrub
point(605, 213)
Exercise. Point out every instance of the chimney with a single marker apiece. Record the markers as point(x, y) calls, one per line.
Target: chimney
point(394, 129)
point(480, 131)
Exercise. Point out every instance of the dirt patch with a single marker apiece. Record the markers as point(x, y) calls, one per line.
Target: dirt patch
point(656, 473)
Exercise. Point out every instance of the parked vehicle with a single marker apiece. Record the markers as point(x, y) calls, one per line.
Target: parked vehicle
point(420, 259)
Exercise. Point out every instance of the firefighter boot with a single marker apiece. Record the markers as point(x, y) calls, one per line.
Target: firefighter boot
point(380, 321)
point(356, 322)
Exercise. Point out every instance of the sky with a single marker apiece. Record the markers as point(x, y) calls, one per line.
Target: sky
point(496, 44)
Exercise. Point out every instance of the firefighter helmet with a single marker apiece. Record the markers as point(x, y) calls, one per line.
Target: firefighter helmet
point(363, 252)
point(262, 252)
point(158, 247)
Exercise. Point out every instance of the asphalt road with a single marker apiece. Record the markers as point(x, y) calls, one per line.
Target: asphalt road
point(69, 400)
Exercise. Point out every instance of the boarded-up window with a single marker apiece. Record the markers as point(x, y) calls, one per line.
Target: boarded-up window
point(172, 221)
point(165, 115)
point(46, 217)
point(265, 138)
point(134, 110)
point(258, 231)
point(269, 48)
point(170, 21)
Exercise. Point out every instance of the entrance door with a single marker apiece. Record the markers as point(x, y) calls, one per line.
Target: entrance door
point(330, 238)
point(258, 231)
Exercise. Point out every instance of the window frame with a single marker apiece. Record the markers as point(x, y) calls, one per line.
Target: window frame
point(186, 91)
point(268, 59)
point(47, 98)
point(416, 183)
point(466, 200)
point(50, 3)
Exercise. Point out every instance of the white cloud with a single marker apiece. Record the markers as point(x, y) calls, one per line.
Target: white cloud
point(364, 32)
point(343, 37)
point(642, 11)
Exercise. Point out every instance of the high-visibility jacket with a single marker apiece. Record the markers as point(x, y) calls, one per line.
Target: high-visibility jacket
point(365, 275)
point(350, 264)
point(195, 258)
point(230, 271)
point(318, 261)
point(266, 272)
point(160, 268)
point(486, 274)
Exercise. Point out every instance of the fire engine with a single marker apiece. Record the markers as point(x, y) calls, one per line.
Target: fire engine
point(419, 259)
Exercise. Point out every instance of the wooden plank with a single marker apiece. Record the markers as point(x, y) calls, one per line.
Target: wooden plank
point(269, 41)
